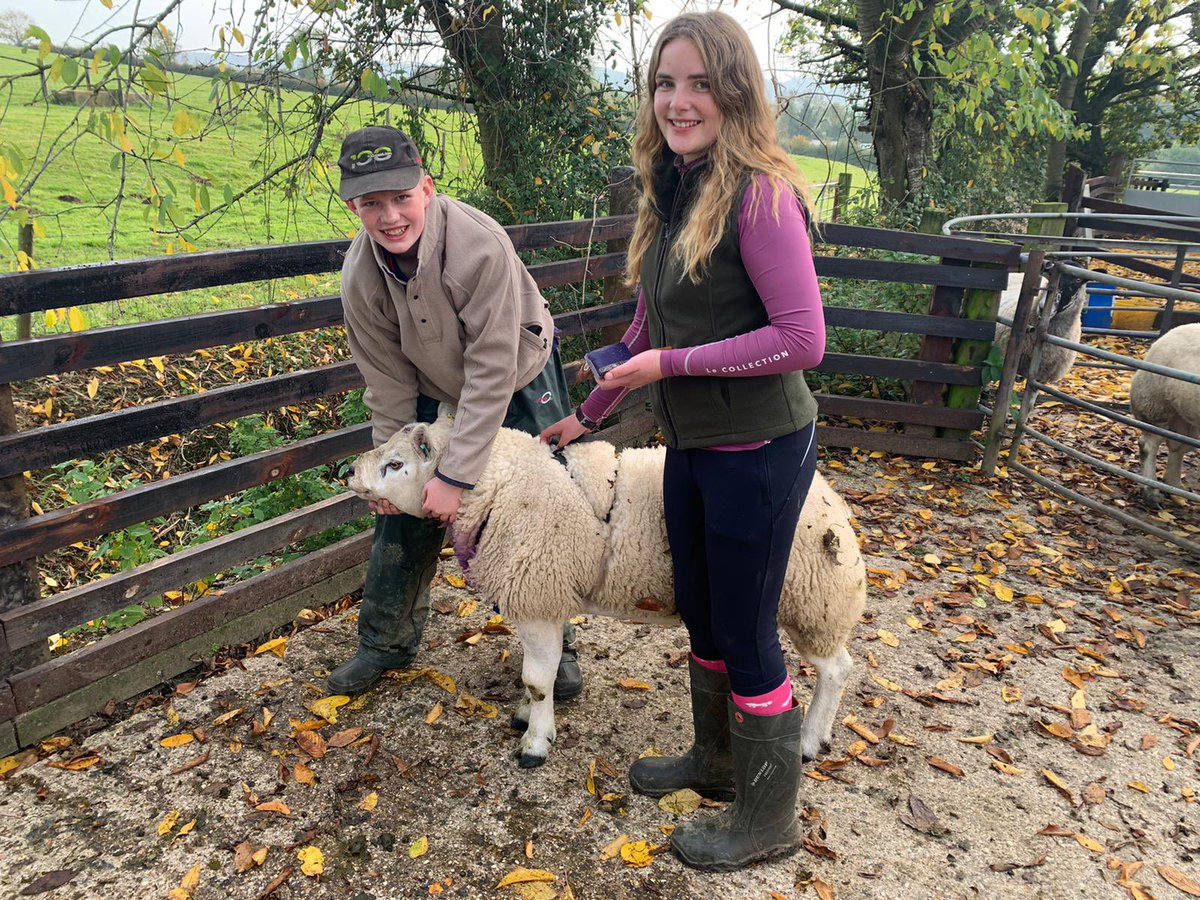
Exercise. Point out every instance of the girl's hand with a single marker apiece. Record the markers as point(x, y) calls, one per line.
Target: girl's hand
point(643, 369)
point(566, 429)
point(441, 500)
point(384, 508)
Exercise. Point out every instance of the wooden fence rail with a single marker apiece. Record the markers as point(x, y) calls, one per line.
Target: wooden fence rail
point(40, 695)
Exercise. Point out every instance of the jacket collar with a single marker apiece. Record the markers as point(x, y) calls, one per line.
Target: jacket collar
point(669, 176)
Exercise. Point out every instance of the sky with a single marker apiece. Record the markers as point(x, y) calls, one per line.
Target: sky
point(197, 21)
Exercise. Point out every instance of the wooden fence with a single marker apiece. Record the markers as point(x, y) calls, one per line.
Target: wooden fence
point(40, 695)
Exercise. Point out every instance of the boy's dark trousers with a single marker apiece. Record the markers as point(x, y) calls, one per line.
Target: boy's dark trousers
point(404, 554)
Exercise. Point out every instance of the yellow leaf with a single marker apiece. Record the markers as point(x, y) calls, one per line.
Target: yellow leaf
point(126, 143)
point(369, 802)
point(228, 717)
point(1010, 694)
point(632, 684)
point(51, 318)
point(611, 849)
point(168, 822)
point(456, 581)
point(419, 847)
point(259, 856)
point(1006, 768)
point(312, 861)
point(886, 683)
point(1003, 593)
point(1090, 843)
point(327, 707)
point(275, 806)
point(888, 638)
point(303, 774)
point(977, 739)
point(1059, 784)
point(680, 802)
point(445, 682)
point(238, 36)
point(10, 194)
point(1168, 764)
point(522, 875)
point(76, 319)
point(186, 828)
point(1139, 786)
point(278, 646)
point(191, 880)
point(177, 740)
point(638, 854)
point(92, 387)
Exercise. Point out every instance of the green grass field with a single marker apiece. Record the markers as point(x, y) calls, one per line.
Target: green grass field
point(73, 200)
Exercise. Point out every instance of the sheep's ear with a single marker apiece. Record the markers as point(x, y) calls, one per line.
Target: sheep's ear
point(421, 443)
point(446, 411)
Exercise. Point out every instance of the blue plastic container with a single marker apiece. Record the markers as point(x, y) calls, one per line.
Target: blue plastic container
point(1098, 312)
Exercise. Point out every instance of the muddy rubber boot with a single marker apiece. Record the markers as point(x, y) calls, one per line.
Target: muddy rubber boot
point(354, 677)
point(707, 768)
point(568, 680)
point(761, 822)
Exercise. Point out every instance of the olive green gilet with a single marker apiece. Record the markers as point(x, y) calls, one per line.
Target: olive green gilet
point(701, 410)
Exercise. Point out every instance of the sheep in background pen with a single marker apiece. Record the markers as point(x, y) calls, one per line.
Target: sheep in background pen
point(1066, 323)
point(1168, 403)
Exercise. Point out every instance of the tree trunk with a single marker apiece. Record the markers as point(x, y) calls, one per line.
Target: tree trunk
point(1067, 85)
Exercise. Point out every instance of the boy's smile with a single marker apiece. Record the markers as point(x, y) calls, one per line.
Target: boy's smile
point(395, 220)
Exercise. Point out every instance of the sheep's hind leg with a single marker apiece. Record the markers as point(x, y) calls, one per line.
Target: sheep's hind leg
point(816, 737)
point(542, 645)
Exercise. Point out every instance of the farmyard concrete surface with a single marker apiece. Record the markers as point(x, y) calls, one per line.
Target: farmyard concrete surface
point(456, 782)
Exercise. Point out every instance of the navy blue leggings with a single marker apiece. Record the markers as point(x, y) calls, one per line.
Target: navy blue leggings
point(731, 517)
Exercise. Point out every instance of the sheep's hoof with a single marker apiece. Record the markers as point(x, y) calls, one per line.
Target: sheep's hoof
point(820, 753)
point(1150, 498)
point(530, 760)
point(518, 724)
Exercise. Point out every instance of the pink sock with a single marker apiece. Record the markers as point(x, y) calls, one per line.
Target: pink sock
point(713, 665)
point(771, 703)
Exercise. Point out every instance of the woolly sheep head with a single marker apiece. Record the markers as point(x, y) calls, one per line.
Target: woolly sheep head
point(398, 469)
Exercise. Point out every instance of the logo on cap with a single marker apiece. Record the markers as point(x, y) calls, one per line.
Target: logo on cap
point(368, 156)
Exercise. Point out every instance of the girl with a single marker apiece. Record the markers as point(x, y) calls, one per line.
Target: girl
point(728, 317)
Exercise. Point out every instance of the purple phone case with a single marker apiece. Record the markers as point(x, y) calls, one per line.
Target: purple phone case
point(602, 359)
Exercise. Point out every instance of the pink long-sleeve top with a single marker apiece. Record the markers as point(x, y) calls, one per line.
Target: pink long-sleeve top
point(778, 258)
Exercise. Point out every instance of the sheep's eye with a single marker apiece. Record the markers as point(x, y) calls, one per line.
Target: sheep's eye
point(395, 465)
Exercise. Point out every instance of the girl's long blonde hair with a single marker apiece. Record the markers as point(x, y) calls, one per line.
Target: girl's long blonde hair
point(747, 142)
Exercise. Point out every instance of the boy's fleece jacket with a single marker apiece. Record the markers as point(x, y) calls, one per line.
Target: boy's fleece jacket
point(470, 327)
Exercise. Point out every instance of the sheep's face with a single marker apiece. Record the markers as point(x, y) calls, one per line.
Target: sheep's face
point(398, 470)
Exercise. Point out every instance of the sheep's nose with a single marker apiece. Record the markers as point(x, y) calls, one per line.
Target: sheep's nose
point(350, 472)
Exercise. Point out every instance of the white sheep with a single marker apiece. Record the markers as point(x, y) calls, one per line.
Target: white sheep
point(1168, 403)
point(1066, 322)
point(546, 542)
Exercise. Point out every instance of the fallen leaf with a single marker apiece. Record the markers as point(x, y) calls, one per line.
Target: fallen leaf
point(304, 775)
point(824, 891)
point(227, 717)
point(680, 802)
point(177, 740)
point(49, 882)
point(369, 802)
point(938, 763)
point(522, 875)
point(638, 854)
point(1089, 843)
point(1178, 880)
point(456, 581)
point(191, 764)
point(312, 861)
point(78, 763)
point(1006, 768)
point(1139, 786)
point(1059, 785)
point(168, 822)
point(243, 857)
point(278, 646)
point(434, 714)
point(887, 638)
point(275, 806)
point(327, 707)
point(977, 739)
point(613, 848)
point(344, 737)
point(419, 847)
point(887, 684)
point(920, 817)
point(632, 684)
point(311, 743)
point(445, 682)
point(1010, 694)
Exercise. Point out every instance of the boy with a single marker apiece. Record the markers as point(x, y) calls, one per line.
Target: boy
point(438, 307)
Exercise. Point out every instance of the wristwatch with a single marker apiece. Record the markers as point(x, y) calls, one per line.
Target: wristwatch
point(584, 420)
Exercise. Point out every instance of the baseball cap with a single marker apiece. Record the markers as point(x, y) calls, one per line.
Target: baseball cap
point(378, 158)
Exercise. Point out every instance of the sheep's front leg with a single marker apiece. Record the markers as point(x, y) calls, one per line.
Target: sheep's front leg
point(1148, 445)
point(817, 732)
point(542, 644)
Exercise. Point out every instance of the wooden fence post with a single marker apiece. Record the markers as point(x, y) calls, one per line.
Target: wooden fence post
point(1020, 339)
point(841, 196)
point(25, 245)
point(622, 200)
point(945, 301)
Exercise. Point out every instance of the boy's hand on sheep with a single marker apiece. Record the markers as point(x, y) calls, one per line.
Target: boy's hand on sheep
point(643, 369)
point(440, 500)
point(384, 508)
point(566, 429)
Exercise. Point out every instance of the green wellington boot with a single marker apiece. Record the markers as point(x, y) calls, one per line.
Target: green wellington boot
point(761, 822)
point(707, 768)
